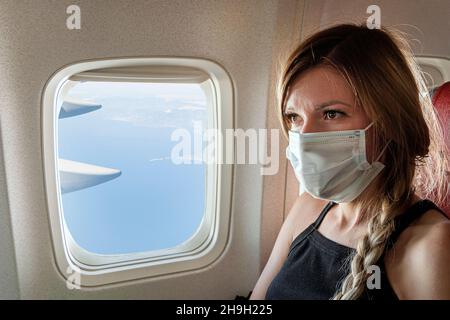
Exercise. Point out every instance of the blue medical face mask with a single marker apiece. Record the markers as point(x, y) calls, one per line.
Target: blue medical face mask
point(332, 165)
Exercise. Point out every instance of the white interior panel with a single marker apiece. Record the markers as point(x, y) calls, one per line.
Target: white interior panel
point(35, 43)
point(246, 38)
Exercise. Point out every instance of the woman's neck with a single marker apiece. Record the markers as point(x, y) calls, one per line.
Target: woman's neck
point(350, 215)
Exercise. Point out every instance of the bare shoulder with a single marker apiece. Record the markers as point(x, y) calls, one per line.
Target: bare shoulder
point(418, 263)
point(430, 229)
point(304, 211)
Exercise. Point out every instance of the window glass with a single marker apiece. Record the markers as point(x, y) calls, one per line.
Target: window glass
point(121, 193)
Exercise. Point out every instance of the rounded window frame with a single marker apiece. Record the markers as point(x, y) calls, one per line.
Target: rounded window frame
point(97, 270)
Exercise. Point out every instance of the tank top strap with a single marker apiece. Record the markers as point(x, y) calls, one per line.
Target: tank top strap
point(310, 229)
point(322, 214)
point(412, 213)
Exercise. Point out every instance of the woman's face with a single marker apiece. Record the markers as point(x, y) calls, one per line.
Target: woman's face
point(321, 100)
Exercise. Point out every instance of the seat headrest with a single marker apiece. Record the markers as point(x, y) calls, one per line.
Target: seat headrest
point(441, 101)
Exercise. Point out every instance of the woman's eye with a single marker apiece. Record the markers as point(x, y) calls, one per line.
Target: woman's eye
point(332, 114)
point(293, 118)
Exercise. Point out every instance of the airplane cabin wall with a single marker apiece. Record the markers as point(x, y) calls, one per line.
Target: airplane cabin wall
point(426, 22)
point(246, 37)
point(9, 285)
point(35, 42)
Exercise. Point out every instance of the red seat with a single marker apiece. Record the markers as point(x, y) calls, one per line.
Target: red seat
point(441, 101)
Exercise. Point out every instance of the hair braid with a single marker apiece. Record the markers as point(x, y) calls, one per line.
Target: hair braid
point(368, 252)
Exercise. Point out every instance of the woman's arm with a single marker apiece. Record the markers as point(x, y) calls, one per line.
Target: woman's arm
point(300, 215)
point(430, 267)
point(276, 259)
point(424, 271)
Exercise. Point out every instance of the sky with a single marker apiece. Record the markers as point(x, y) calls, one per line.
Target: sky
point(154, 204)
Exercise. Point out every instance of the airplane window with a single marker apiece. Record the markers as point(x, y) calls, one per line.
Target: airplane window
point(132, 183)
point(121, 192)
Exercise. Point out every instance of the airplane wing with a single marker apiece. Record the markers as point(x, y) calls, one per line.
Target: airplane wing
point(78, 175)
point(72, 108)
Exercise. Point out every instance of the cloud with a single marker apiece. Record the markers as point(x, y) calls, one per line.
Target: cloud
point(154, 106)
point(159, 159)
point(157, 116)
point(192, 107)
point(188, 159)
point(192, 159)
point(190, 97)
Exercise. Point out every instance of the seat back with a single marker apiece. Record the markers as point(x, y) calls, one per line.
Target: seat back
point(441, 102)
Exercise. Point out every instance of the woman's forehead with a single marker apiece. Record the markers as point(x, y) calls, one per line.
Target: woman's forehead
point(317, 86)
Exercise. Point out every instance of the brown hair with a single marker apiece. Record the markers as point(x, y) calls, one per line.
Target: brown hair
point(388, 85)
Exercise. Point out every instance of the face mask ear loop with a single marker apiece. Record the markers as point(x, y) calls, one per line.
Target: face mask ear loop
point(382, 151)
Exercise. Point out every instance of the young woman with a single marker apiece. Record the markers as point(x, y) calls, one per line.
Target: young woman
point(366, 146)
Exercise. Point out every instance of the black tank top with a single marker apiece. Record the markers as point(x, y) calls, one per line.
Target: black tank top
point(316, 266)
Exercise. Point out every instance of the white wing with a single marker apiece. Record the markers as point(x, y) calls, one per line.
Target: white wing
point(78, 175)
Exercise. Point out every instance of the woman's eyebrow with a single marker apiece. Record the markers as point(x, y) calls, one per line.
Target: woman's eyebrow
point(330, 102)
point(321, 105)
